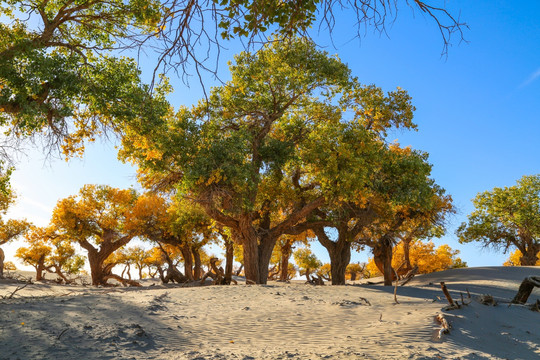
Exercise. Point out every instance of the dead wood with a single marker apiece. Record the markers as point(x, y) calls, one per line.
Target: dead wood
point(124, 282)
point(312, 280)
point(410, 275)
point(395, 287)
point(525, 289)
point(445, 326)
point(453, 304)
point(15, 291)
point(217, 274)
point(487, 299)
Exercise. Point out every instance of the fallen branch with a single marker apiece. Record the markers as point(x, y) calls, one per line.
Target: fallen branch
point(409, 276)
point(445, 327)
point(124, 282)
point(14, 292)
point(525, 289)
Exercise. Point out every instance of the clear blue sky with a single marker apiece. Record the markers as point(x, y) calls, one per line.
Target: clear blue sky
point(477, 109)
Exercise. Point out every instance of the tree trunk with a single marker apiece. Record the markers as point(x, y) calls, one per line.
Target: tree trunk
point(406, 254)
point(40, 268)
point(308, 272)
point(266, 247)
point(382, 255)
point(340, 256)
point(2, 257)
point(353, 276)
point(286, 251)
point(185, 249)
point(529, 256)
point(339, 252)
point(96, 268)
point(250, 250)
point(197, 260)
point(229, 259)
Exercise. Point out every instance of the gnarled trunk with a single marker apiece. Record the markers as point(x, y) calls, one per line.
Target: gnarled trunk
point(382, 255)
point(529, 257)
point(96, 260)
point(340, 256)
point(40, 268)
point(339, 252)
point(185, 249)
point(249, 240)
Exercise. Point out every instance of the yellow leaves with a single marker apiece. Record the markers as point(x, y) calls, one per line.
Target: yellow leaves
point(515, 259)
point(215, 177)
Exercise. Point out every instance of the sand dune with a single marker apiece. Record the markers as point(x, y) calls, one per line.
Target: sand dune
point(275, 321)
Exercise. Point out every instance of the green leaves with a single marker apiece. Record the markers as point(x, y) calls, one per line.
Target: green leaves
point(505, 217)
point(56, 80)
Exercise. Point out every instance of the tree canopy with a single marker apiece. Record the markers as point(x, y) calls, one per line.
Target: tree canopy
point(507, 217)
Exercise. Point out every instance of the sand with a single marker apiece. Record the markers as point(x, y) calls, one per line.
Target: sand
point(274, 321)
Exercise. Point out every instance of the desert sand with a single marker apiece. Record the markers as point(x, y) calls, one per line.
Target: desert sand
point(274, 321)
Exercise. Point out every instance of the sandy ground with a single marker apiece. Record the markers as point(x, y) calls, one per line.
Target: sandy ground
point(275, 321)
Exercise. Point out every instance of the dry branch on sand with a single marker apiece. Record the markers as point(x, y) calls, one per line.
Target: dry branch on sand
point(9, 296)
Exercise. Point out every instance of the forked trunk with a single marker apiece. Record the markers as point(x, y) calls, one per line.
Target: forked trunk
point(339, 252)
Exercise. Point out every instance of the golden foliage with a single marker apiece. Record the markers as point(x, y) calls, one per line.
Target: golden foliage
point(428, 258)
point(515, 259)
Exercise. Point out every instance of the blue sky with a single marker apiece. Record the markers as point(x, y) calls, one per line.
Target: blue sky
point(477, 110)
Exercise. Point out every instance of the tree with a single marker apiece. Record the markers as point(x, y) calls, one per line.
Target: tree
point(101, 219)
point(10, 266)
point(515, 259)
point(307, 262)
point(424, 255)
point(284, 247)
point(356, 269)
point(229, 154)
point(507, 217)
point(57, 79)
point(50, 252)
point(9, 229)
